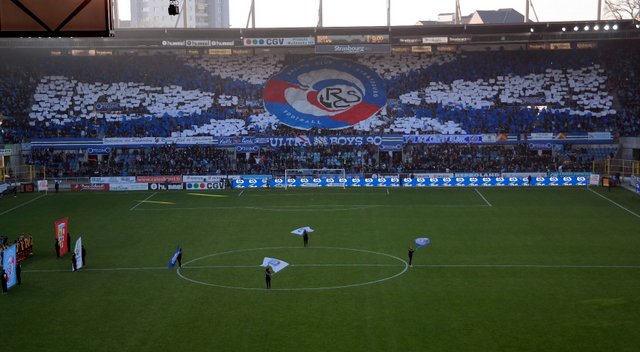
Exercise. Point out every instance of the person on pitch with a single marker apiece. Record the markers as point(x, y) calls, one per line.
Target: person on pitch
point(305, 238)
point(267, 276)
point(74, 262)
point(18, 273)
point(410, 252)
point(3, 281)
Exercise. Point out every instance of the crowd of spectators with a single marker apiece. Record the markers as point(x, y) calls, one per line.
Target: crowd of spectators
point(496, 159)
point(163, 71)
point(208, 160)
point(624, 79)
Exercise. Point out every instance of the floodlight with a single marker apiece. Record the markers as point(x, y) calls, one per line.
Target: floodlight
point(586, 28)
point(576, 28)
point(596, 28)
point(564, 29)
point(615, 27)
point(606, 27)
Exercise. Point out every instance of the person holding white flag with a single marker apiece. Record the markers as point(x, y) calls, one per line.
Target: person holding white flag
point(272, 266)
point(410, 252)
point(304, 232)
point(267, 276)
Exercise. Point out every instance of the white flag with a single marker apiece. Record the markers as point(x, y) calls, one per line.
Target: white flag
point(77, 251)
point(301, 230)
point(275, 264)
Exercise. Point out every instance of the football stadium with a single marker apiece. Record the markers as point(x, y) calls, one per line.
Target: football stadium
point(465, 184)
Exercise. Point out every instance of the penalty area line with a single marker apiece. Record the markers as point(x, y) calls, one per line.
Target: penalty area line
point(22, 205)
point(618, 205)
point(485, 199)
point(142, 201)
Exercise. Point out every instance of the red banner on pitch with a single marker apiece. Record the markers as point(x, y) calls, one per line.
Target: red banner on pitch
point(62, 235)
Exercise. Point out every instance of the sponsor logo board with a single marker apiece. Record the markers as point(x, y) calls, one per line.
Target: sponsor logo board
point(203, 178)
point(353, 49)
point(122, 179)
point(203, 185)
point(296, 41)
point(79, 187)
point(128, 187)
point(167, 187)
point(158, 179)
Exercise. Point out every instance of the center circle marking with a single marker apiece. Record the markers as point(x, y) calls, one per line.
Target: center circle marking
point(183, 276)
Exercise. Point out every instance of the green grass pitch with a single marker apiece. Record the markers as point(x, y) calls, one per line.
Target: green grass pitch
point(528, 269)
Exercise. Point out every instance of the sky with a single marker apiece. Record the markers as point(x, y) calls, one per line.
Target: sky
point(340, 13)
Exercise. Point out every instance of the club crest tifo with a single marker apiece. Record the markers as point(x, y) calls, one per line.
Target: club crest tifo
point(324, 93)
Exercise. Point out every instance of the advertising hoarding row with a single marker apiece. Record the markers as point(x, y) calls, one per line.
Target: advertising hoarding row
point(106, 145)
point(413, 182)
point(419, 180)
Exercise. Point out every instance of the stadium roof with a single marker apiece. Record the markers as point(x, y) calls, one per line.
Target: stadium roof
point(500, 16)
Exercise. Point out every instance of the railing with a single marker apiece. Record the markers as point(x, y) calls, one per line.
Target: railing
point(625, 168)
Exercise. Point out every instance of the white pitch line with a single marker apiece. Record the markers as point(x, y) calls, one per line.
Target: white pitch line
point(529, 266)
point(290, 265)
point(538, 266)
point(239, 194)
point(94, 269)
point(22, 205)
point(328, 207)
point(219, 266)
point(485, 199)
point(404, 267)
point(142, 201)
point(351, 265)
point(620, 206)
point(387, 191)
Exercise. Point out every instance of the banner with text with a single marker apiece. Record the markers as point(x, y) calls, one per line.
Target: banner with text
point(294, 41)
point(9, 262)
point(62, 235)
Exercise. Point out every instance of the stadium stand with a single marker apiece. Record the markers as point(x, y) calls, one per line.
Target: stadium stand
point(445, 157)
point(169, 95)
point(173, 95)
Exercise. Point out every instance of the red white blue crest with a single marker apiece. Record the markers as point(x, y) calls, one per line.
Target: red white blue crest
point(324, 92)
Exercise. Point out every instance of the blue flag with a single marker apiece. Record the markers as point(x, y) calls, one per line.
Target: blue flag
point(9, 262)
point(423, 241)
point(172, 263)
